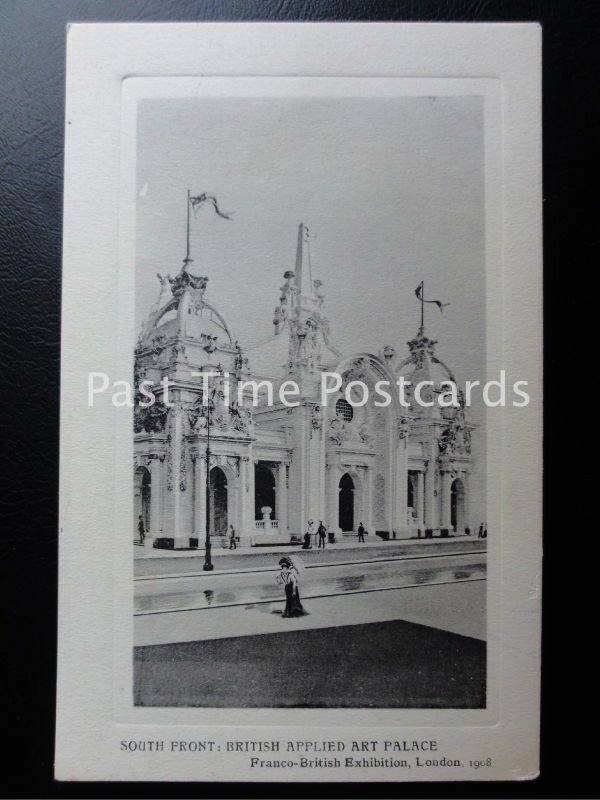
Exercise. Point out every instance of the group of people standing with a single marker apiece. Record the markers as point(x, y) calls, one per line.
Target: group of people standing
point(231, 535)
point(322, 535)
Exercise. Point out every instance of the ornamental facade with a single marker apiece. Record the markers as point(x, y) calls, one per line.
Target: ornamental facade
point(402, 472)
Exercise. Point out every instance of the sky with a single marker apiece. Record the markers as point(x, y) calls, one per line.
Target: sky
point(391, 188)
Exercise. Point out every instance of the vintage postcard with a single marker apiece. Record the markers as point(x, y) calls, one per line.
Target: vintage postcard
point(301, 403)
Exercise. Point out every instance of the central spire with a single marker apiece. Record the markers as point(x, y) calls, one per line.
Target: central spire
point(187, 258)
point(300, 311)
point(301, 250)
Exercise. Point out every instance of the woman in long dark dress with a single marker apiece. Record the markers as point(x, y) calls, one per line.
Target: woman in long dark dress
point(290, 579)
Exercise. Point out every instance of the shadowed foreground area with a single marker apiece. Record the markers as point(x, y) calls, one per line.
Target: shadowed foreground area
point(382, 665)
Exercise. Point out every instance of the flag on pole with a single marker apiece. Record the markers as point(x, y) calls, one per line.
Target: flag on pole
point(197, 201)
point(419, 294)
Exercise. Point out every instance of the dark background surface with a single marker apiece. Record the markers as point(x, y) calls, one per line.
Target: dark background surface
point(32, 54)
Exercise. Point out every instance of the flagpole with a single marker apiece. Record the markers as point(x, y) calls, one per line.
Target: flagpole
point(187, 259)
point(422, 306)
point(194, 202)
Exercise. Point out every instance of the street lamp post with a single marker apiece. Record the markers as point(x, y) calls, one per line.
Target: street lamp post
point(208, 565)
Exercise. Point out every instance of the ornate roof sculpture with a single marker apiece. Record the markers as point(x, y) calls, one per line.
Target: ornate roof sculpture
point(456, 437)
point(194, 317)
point(422, 364)
point(184, 334)
point(187, 313)
point(300, 311)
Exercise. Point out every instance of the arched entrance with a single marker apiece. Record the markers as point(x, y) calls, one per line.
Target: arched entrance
point(410, 493)
point(346, 503)
point(142, 493)
point(411, 498)
point(218, 501)
point(264, 491)
point(457, 505)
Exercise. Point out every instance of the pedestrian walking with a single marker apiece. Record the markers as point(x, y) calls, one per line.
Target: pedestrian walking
point(306, 545)
point(232, 538)
point(480, 532)
point(141, 529)
point(361, 533)
point(290, 578)
point(322, 531)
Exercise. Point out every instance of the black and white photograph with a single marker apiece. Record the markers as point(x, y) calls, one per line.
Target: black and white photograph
point(310, 524)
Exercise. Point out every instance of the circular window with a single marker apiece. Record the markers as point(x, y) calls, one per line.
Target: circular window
point(344, 410)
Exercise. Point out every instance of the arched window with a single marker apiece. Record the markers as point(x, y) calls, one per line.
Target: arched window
point(143, 490)
point(264, 491)
point(410, 492)
point(344, 410)
point(457, 505)
point(346, 503)
point(218, 501)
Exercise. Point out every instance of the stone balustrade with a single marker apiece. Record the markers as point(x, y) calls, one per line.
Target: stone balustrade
point(266, 524)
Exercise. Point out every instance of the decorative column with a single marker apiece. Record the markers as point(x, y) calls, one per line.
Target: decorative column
point(401, 469)
point(156, 492)
point(175, 485)
point(430, 510)
point(297, 500)
point(370, 520)
point(246, 497)
point(200, 498)
point(281, 504)
point(137, 497)
point(179, 529)
point(250, 492)
point(466, 503)
point(445, 506)
point(315, 462)
point(331, 520)
point(390, 483)
point(421, 500)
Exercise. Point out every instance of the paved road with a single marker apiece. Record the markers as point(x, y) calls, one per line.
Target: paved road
point(150, 562)
point(241, 587)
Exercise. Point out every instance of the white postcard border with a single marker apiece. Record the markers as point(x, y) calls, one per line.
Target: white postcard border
point(101, 58)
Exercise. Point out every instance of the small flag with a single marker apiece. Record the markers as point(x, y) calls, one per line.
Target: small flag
point(419, 293)
point(207, 198)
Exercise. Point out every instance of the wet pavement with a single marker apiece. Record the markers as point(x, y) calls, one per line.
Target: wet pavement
point(154, 595)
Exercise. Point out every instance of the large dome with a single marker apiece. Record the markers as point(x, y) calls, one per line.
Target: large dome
point(188, 313)
point(420, 365)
